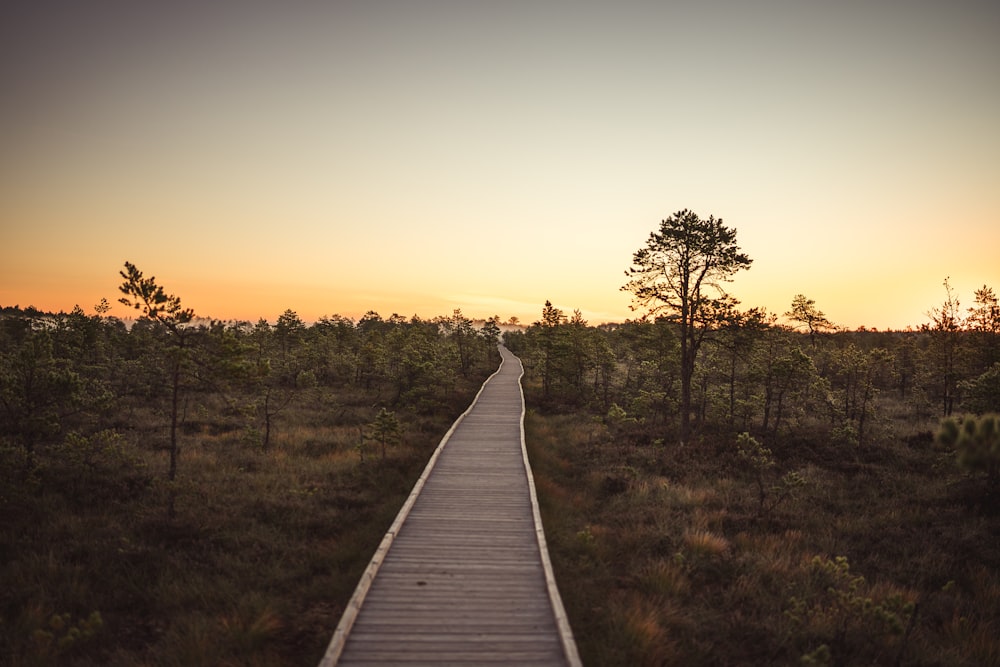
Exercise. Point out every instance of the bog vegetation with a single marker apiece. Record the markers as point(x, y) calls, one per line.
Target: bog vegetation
point(720, 485)
point(729, 486)
point(205, 493)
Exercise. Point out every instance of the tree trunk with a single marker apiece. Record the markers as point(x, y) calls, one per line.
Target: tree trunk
point(174, 450)
point(768, 397)
point(174, 405)
point(267, 430)
point(687, 371)
point(732, 391)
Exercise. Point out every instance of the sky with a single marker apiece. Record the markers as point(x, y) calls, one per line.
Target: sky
point(415, 157)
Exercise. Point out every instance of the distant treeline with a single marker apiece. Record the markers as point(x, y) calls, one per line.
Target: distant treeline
point(763, 374)
point(62, 372)
point(758, 372)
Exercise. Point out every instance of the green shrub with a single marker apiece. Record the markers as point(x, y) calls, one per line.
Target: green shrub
point(976, 442)
point(982, 394)
point(61, 635)
point(839, 615)
point(760, 464)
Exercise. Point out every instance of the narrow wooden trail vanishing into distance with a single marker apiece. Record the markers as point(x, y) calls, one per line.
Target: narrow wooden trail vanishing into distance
point(463, 575)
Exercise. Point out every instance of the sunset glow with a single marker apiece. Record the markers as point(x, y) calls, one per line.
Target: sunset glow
point(417, 157)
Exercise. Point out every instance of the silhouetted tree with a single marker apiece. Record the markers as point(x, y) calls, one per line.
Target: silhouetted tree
point(805, 313)
point(552, 344)
point(335, 340)
point(984, 320)
point(985, 314)
point(144, 295)
point(490, 331)
point(679, 274)
point(580, 351)
point(289, 331)
point(459, 329)
point(945, 331)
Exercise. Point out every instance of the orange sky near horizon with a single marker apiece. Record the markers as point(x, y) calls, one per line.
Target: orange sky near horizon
point(417, 157)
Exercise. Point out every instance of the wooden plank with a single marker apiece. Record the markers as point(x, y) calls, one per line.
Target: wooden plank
point(463, 575)
point(406, 657)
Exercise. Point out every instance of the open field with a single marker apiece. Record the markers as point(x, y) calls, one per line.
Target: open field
point(667, 556)
point(255, 567)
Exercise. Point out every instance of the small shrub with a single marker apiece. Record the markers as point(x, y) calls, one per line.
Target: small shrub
point(617, 419)
point(982, 394)
point(976, 442)
point(760, 463)
point(61, 636)
point(845, 435)
point(840, 615)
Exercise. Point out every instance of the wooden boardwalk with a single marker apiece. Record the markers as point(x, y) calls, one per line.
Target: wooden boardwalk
point(463, 575)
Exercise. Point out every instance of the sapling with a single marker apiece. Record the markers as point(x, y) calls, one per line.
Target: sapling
point(149, 298)
point(385, 428)
point(760, 461)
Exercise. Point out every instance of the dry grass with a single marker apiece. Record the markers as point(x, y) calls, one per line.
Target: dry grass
point(265, 549)
point(701, 544)
point(671, 564)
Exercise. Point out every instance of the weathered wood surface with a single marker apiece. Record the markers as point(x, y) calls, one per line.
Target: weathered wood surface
point(463, 576)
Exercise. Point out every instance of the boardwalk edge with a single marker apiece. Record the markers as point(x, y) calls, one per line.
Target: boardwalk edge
point(350, 615)
point(562, 620)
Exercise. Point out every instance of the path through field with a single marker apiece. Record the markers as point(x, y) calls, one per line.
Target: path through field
point(463, 576)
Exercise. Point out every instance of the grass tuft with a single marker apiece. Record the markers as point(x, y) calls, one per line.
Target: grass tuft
point(704, 544)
